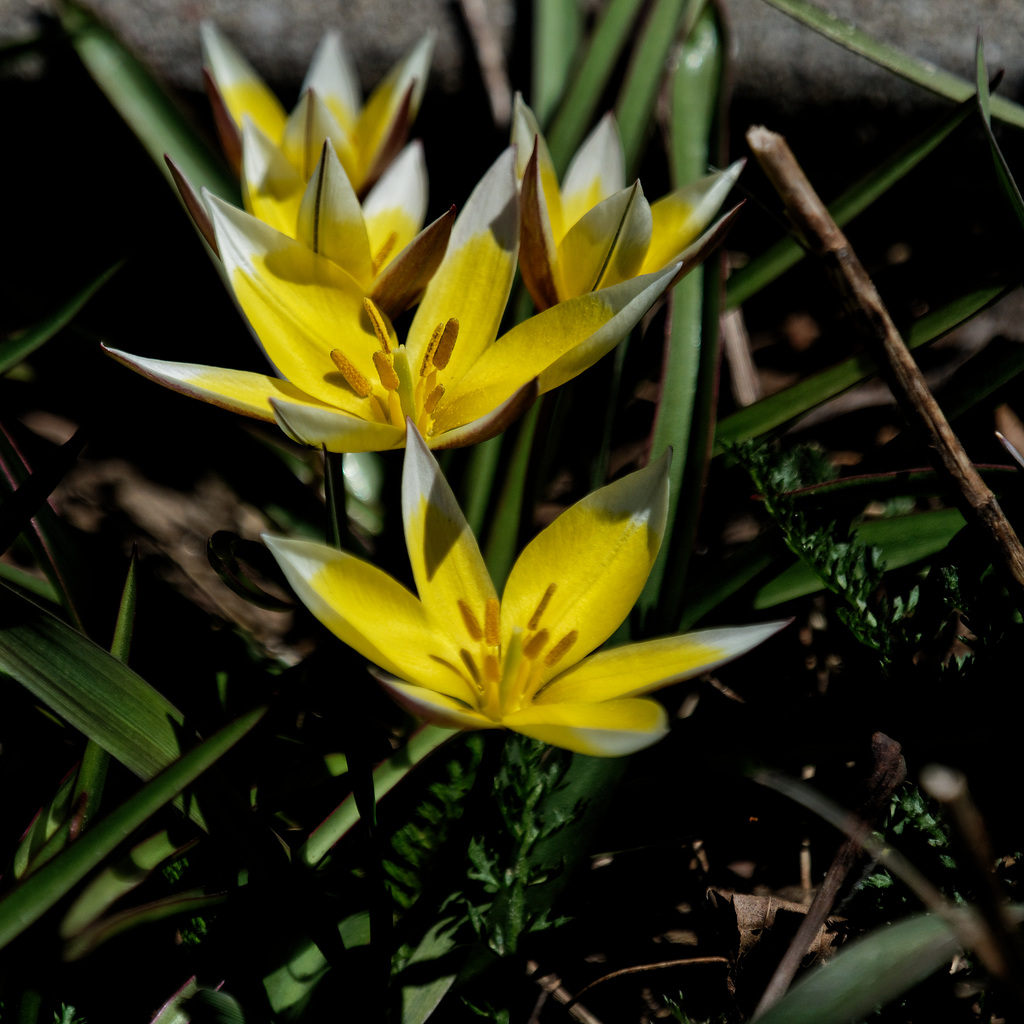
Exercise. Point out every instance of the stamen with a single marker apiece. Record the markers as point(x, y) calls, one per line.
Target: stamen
point(472, 625)
point(492, 668)
point(544, 602)
point(430, 402)
point(428, 356)
point(385, 371)
point(356, 381)
point(533, 646)
point(467, 660)
point(379, 327)
point(446, 344)
point(384, 252)
point(395, 413)
point(378, 410)
point(491, 633)
point(560, 649)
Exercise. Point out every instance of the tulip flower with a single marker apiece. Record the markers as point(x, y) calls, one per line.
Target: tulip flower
point(456, 655)
point(592, 232)
point(346, 383)
point(365, 138)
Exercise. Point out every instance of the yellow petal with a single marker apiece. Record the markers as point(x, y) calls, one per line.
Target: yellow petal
point(367, 609)
point(555, 346)
point(333, 78)
point(378, 125)
point(451, 578)
point(491, 424)
point(308, 126)
point(473, 281)
point(271, 187)
point(607, 244)
point(238, 390)
point(433, 707)
point(321, 427)
point(596, 171)
point(681, 216)
point(527, 137)
point(579, 578)
point(330, 219)
point(395, 207)
point(609, 729)
point(243, 91)
point(639, 668)
point(300, 305)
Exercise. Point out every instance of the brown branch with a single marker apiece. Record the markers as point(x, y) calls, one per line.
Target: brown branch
point(809, 215)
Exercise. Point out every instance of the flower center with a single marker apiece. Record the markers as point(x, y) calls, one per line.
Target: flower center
point(507, 680)
point(385, 395)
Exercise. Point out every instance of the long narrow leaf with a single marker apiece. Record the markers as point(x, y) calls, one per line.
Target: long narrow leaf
point(647, 68)
point(1009, 186)
point(30, 900)
point(577, 111)
point(786, 406)
point(785, 253)
point(920, 72)
point(158, 123)
point(557, 34)
point(18, 347)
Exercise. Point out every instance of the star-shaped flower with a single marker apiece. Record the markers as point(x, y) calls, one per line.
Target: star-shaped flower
point(457, 655)
point(347, 384)
point(592, 232)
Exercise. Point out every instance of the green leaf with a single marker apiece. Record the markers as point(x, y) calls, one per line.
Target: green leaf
point(33, 897)
point(19, 346)
point(870, 972)
point(647, 69)
point(158, 123)
point(902, 540)
point(783, 408)
point(86, 686)
point(386, 776)
point(557, 35)
point(577, 110)
point(1009, 186)
point(785, 253)
point(919, 72)
point(684, 412)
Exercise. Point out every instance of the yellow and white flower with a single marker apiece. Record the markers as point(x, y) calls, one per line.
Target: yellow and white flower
point(592, 232)
point(457, 655)
point(345, 382)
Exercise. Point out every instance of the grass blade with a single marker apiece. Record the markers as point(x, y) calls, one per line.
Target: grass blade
point(557, 34)
point(920, 72)
point(15, 349)
point(30, 900)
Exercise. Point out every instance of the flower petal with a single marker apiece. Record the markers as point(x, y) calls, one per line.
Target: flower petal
point(300, 305)
point(578, 578)
point(334, 429)
point(330, 219)
point(333, 78)
point(243, 91)
point(401, 283)
point(639, 668)
point(553, 346)
point(308, 125)
point(489, 425)
point(431, 706)
point(610, 729)
point(367, 609)
point(395, 207)
point(538, 255)
point(681, 216)
point(475, 278)
point(449, 571)
point(271, 187)
point(529, 140)
point(238, 390)
point(607, 244)
point(391, 108)
point(596, 171)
